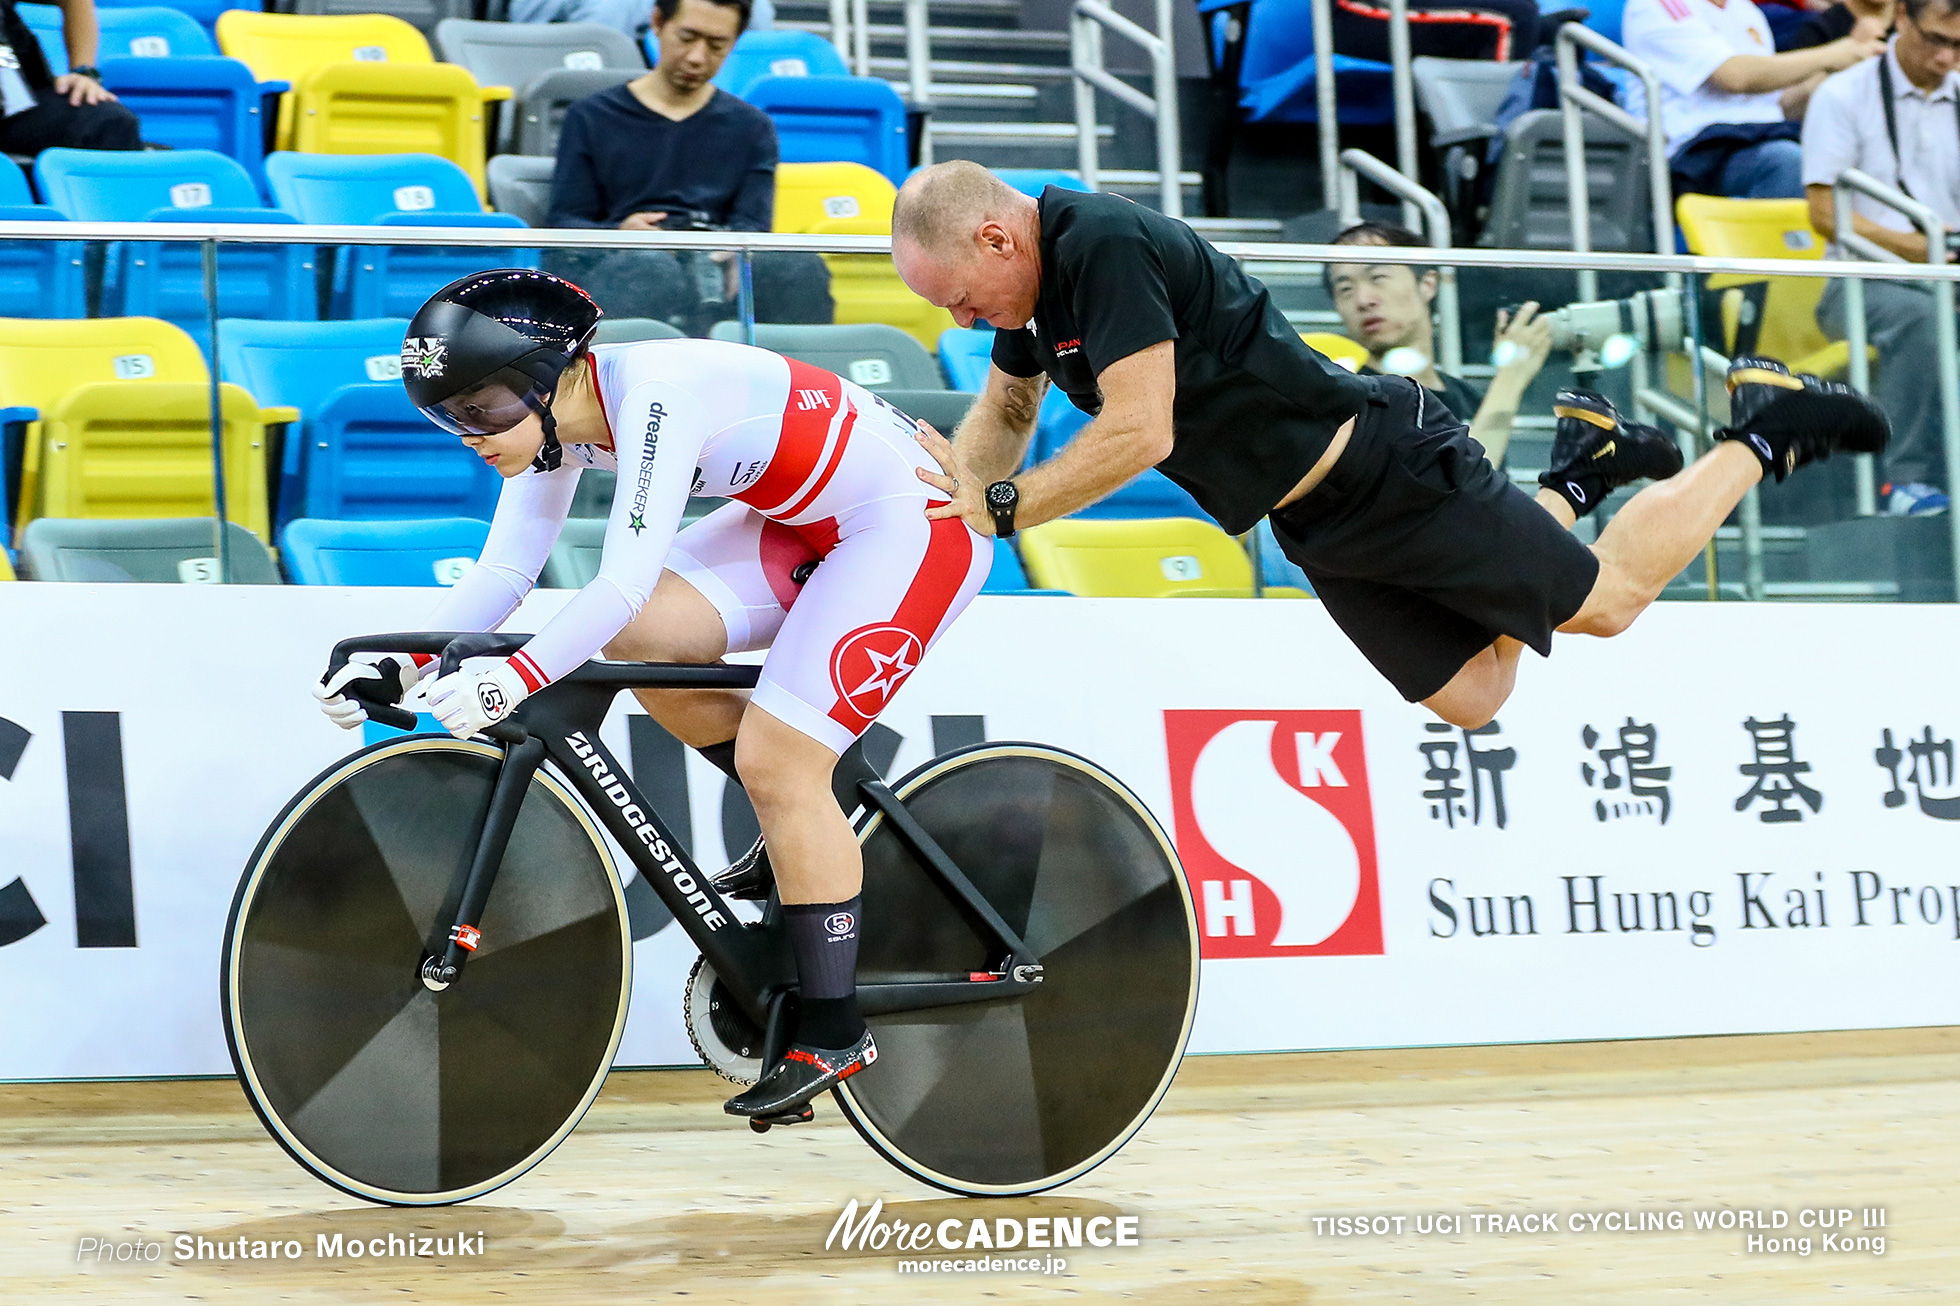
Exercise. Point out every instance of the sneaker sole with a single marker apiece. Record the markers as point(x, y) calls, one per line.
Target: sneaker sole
point(1762, 376)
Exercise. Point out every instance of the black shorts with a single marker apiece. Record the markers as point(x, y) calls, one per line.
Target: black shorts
point(1423, 552)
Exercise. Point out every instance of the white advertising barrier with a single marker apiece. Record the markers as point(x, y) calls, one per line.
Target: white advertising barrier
point(1733, 818)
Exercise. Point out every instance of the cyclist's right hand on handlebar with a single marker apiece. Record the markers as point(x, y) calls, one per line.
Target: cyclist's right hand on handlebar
point(385, 676)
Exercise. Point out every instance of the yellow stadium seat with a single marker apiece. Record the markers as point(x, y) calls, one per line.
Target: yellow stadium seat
point(6, 568)
point(364, 108)
point(396, 61)
point(1784, 317)
point(1146, 558)
point(123, 424)
point(1339, 349)
point(849, 199)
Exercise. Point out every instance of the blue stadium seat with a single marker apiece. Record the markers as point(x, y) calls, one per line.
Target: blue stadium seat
point(254, 281)
point(1008, 575)
point(381, 552)
point(835, 120)
point(394, 280)
point(357, 189)
point(145, 31)
point(39, 278)
point(303, 365)
point(198, 102)
point(129, 185)
point(1032, 181)
point(1277, 76)
point(14, 190)
point(965, 353)
point(371, 456)
point(204, 12)
point(774, 53)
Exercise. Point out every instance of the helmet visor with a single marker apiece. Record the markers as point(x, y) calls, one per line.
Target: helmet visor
point(488, 408)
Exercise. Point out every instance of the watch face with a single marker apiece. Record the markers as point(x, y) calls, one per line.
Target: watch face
point(1002, 494)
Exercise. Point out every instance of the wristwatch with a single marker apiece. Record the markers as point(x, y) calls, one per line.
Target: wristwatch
point(1003, 497)
point(84, 70)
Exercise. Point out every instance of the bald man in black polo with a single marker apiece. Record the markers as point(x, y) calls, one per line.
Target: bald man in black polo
point(1437, 568)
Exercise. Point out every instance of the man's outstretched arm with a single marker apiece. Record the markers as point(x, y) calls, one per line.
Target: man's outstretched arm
point(1132, 435)
point(993, 436)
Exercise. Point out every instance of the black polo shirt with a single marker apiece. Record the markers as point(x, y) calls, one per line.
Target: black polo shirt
point(1255, 407)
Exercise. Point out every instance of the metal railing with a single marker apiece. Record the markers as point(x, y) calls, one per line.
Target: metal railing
point(1327, 101)
point(1087, 22)
point(1575, 98)
point(1436, 223)
point(1946, 344)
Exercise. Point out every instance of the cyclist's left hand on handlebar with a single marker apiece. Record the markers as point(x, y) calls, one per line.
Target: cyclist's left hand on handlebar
point(393, 674)
point(471, 700)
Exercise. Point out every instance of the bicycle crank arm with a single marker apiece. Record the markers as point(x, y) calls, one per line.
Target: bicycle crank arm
point(918, 995)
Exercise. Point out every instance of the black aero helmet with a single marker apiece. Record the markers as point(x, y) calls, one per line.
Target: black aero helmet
point(487, 351)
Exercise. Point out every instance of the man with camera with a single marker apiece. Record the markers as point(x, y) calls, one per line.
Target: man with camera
point(1387, 307)
point(1897, 118)
point(669, 150)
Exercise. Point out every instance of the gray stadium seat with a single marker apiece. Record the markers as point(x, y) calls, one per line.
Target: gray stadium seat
point(425, 14)
point(521, 184)
point(876, 356)
point(941, 409)
point(541, 102)
point(167, 550)
point(620, 330)
point(1460, 97)
point(514, 54)
point(1528, 199)
point(574, 560)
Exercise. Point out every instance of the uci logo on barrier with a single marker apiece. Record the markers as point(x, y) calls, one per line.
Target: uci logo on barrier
point(1276, 832)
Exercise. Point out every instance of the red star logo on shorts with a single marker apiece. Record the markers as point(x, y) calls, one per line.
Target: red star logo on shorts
point(870, 664)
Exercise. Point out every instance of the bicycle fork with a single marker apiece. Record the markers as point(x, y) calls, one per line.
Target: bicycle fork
point(446, 955)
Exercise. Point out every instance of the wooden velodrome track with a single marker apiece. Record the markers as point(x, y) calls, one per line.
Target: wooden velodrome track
point(658, 1197)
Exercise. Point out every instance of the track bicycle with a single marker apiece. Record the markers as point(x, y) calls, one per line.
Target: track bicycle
point(428, 959)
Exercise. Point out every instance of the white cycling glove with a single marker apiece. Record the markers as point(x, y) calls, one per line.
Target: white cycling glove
point(483, 692)
point(394, 674)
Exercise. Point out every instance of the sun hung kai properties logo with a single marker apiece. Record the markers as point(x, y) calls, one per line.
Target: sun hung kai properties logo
point(1275, 830)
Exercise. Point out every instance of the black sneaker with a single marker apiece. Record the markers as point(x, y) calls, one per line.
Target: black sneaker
point(1787, 421)
point(1595, 452)
point(803, 1073)
point(749, 877)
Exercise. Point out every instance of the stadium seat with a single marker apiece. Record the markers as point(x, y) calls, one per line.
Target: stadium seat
point(872, 354)
point(965, 355)
point(517, 54)
point(424, 15)
point(179, 550)
point(166, 280)
point(622, 330)
point(362, 84)
point(415, 553)
point(851, 199)
point(520, 184)
point(205, 102)
point(1007, 575)
point(332, 464)
point(574, 558)
point(943, 410)
point(146, 31)
point(1774, 317)
point(539, 112)
point(1528, 207)
point(1461, 97)
point(775, 53)
point(112, 418)
point(1032, 181)
point(203, 12)
point(357, 190)
point(6, 567)
point(835, 119)
point(40, 278)
point(1338, 348)
point(395, 280)
point(128, 185)
point(1141, 558)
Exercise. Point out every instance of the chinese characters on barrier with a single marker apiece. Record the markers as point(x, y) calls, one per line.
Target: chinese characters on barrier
point(1464, 773)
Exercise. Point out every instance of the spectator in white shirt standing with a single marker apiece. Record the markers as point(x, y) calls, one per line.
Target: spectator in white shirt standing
point(1730, 104)
point(1898, 119)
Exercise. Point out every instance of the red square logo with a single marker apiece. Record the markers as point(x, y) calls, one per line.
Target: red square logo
point(1276, 832)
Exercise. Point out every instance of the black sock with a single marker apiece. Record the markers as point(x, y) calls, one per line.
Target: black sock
point(1584, 491)
point(825, 939)
point(723, 756)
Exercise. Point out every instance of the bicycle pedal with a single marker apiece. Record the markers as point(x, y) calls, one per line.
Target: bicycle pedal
point(803, 1115)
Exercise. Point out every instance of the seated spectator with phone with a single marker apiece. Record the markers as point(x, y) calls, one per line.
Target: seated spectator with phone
point(670, 151)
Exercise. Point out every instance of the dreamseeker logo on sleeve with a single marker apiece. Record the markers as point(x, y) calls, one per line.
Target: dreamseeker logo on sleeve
point(638, 521)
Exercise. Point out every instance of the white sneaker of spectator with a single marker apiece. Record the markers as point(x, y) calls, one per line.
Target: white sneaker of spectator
point(1916, 499)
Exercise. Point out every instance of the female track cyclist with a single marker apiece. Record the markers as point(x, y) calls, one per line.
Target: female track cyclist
point(825, 558)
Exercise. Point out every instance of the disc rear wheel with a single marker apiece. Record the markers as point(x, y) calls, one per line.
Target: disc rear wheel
point(1020, 1094)
point(372, 1081)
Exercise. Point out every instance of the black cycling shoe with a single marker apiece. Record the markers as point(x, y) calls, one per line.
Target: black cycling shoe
point(749, 877)
point(803, 1073)
point(1787, 421)
point(1595, 452)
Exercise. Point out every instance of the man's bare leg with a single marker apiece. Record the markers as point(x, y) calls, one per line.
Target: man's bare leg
point(1659, 531)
